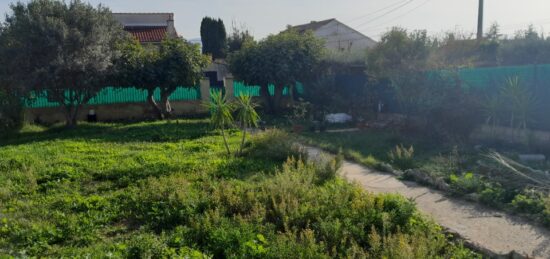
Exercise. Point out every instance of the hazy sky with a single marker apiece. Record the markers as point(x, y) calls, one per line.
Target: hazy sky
point(264, 17)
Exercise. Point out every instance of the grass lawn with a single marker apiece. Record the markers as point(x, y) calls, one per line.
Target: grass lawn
point(468, 171)
point(165, 190)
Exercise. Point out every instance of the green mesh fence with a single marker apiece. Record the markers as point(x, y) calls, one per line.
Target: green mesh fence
point(533, 76)
point(241, 88)
point(112, 95)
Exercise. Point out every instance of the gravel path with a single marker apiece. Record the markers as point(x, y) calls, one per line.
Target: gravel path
point(491, 230)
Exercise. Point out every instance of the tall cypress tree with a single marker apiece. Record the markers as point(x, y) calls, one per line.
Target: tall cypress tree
point(214, 37)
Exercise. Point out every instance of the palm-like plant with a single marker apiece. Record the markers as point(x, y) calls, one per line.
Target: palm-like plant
point(519, 100)
point(221, 114)
point(247, 115)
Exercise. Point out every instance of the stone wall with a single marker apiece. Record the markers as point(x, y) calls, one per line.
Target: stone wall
point(114, 112)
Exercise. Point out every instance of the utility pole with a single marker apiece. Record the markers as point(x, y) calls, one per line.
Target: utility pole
point(480, 21)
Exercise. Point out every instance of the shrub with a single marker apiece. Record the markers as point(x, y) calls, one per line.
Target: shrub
point(466, 183)
point(275, 144)
point(402, 157)
point(493, 195)
point(530, 202)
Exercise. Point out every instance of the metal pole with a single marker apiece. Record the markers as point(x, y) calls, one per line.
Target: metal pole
point(480, 21)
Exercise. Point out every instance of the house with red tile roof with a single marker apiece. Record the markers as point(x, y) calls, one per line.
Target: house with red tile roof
point(148, 28)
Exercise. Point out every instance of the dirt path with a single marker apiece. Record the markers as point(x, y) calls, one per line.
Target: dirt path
point(491, 230)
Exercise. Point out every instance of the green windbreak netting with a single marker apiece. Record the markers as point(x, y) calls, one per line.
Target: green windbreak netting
point(113, 95)
point(241, 88)
point(533, 76)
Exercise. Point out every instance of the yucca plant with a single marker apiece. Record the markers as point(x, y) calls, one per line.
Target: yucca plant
point(221, 114)
point(520, 102)
point(402, 157)
point(247, 115)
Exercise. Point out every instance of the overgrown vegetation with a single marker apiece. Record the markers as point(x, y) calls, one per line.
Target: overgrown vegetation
point(165, 189)
point(478, 174)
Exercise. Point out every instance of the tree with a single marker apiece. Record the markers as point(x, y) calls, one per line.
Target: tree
point(11, 106)
point(137, 67)
point(238, 38)
point(213, 37)
point(179, 63)
point(281, 60)
point(247, 115)
point(526, 48)
point(62, 50)
point(175, 63)
point(221, 115)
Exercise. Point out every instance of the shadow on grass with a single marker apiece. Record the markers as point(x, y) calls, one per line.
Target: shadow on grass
point(164, 131)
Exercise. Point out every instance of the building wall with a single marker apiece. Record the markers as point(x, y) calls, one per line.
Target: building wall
point(340, 37)
point(143, 19)
point(113, 112)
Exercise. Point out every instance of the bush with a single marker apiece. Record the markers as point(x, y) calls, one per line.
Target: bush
point(529, 202)
point(466, 183)
point(275, 144)
point(11, 113)
point(402, 157)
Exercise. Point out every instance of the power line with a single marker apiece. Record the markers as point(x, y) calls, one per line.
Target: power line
point(377, 11)
point(386, 13)
point(379, 26)
point(383, 25)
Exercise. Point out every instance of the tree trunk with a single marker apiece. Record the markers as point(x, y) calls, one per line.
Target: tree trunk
point(165, 103)
point(225, 141)
point(71, 116)
point(268, 101)
point(151, 100)
point(243, 139)
point(277, 103)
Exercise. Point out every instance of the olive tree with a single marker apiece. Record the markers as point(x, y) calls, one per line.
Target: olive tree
point(63, 50)
point(174, 63)
point(281, 60)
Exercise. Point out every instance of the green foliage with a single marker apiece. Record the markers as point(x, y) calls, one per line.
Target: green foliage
point(530, 202)
point(527, 47)
point(164, 190)
point(174, 63)
point(239, 38)
point(517, 102)
point(221, 114)
point(466, 183)
point(247, 115)
point(275, 144)
point(11, 113)
point(402, 157)
point(281, 59)
point(399, 51)
point(70, 75)
point(214, 37)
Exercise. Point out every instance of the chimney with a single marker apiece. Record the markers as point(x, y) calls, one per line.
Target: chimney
point(170, 27)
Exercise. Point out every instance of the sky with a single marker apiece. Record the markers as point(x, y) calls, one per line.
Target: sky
point(371, 17)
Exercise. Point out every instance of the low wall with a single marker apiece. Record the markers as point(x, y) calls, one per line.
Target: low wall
point(113, 112)
point(512, 136)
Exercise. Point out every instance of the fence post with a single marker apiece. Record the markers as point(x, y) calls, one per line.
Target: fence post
point(229, 87)
point(205, 90)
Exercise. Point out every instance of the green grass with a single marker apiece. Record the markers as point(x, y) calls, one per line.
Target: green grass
point(370, 147)
point(164, 190)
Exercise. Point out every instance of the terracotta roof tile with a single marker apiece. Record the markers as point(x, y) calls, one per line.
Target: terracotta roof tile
point(148, 33)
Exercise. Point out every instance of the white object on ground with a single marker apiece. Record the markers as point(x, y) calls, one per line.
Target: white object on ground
point(338, 118)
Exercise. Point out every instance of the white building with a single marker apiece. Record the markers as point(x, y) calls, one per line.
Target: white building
point(337, 36)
